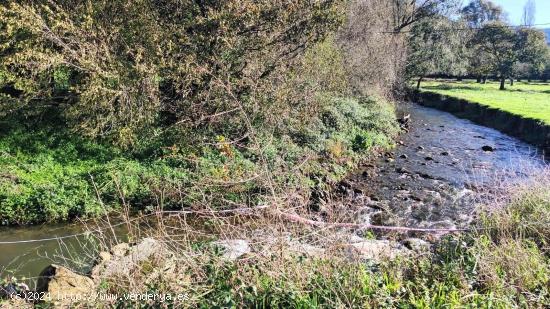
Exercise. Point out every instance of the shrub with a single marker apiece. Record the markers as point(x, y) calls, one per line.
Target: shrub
point(117, 69)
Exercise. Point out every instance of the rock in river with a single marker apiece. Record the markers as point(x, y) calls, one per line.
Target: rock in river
point(126, 259)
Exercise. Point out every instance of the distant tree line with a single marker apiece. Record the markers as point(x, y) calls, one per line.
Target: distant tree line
point(477, 41)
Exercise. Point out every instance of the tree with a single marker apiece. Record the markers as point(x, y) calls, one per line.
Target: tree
point(506, 46)
point(499, 42)
point(529, 12)
point(477, 14)
point(408, 12)
point(533, 50)
point(546, 72)
point(129, 64)
point(376, 45)
point(480, 64)
point(480, 12)
point(434, 49)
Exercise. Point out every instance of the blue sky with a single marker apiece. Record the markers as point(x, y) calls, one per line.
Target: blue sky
point(514, 8)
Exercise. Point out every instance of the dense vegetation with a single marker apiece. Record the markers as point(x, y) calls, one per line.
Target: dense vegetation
point(504, 264)
point(50, 174)
point(529, 100)
point(171, 104)
point(182, 104)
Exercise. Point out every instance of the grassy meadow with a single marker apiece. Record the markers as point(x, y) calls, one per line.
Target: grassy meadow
point(529, 100)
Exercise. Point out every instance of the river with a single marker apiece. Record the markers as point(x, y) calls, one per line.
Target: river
point(431, 179)
point(441, 168)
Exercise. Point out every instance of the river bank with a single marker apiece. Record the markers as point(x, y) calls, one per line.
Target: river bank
point(501, 261)
point(530, 130)
point(433, 179)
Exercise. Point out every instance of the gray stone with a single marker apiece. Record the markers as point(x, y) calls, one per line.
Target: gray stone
point(376, 250)
point(104, 256)
point(417, 244)
point(123, 265)
point(120, 249)
point(233, 248)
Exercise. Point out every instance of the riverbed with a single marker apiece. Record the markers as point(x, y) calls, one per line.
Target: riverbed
point(441, 169)
point(433, 178)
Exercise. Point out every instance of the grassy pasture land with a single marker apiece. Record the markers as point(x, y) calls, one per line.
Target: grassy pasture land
point(528, 100)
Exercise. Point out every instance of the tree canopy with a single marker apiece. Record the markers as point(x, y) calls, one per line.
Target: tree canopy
point(506, 46)
point(479, 12)
point(479, 43)
point(115, 67)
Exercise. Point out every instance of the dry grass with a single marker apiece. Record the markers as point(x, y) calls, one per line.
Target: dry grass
point(505, 262)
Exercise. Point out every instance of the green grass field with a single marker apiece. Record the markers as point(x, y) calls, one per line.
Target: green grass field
point(530, 100)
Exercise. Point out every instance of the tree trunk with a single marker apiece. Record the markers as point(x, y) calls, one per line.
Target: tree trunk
point(478, 80)
point(459, 79)
point(502, 83)
point(511, 81)
point(484, 80)
point(419, 81)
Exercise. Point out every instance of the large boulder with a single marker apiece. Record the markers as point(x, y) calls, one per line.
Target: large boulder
point(124, 259)
point(417, 245)
point(63, 285)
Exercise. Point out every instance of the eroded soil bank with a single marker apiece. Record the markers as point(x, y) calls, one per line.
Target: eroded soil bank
point(529, 130)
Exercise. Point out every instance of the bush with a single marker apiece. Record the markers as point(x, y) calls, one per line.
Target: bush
point(116, 70)
point(50, 174)
point(526, 216)
point(220, 123)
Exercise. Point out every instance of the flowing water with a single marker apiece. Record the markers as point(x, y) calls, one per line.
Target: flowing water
point(26, 251)
point(430, 179)
point(441, 168)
